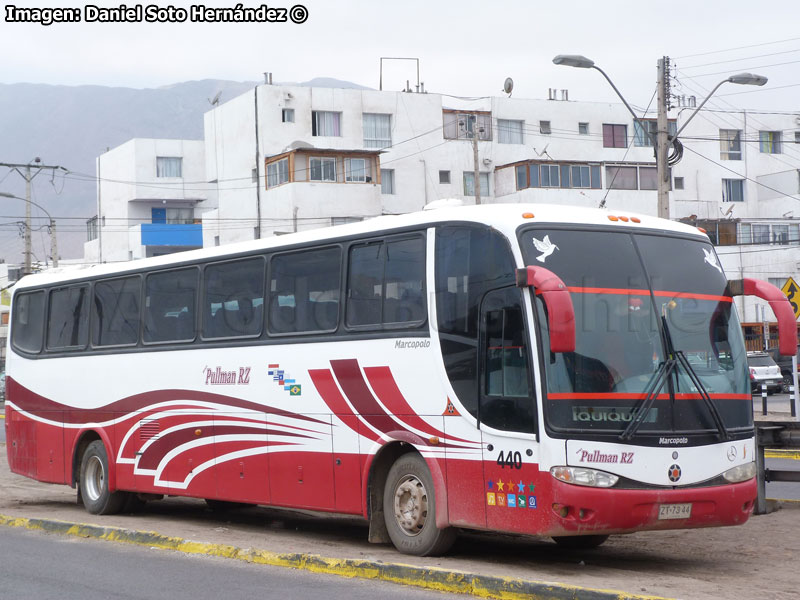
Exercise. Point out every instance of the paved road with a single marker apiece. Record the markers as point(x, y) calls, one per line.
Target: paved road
point(96, 570)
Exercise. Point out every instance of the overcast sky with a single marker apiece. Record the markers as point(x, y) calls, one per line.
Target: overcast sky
point(466, 48)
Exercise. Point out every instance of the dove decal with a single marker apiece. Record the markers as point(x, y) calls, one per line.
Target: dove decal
point(711, 259)
point(545, 246)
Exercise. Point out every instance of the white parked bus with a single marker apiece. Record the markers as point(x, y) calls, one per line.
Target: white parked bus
point(536, 369)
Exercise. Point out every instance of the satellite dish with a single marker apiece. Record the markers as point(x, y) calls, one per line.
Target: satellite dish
point(508, 85)
point(215, 101)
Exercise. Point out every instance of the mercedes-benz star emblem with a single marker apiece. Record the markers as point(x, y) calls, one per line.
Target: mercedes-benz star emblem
point(732, 453)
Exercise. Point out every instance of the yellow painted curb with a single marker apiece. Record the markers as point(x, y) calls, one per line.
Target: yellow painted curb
point(431, 578)
point(790, 454)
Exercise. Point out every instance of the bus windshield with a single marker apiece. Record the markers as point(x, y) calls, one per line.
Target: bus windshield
point(636, 296)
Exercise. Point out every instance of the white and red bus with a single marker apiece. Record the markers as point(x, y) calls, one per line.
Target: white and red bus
point(537, 369)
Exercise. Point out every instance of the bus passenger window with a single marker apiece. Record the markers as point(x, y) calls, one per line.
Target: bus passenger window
point(27, 324)
point(385, 283)
point(233, 301)
point(304, 291)
point(169, 306)
point(68, 321)
point(115, 313)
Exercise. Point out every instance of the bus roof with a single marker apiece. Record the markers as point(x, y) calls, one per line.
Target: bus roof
point(504, 217)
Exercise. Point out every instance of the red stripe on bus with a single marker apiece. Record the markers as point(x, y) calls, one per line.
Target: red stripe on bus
point(385, 385)
point(329, 392)
point(637, 396)
point(352, 382)
point(156, 452)
point(137, 405)
point(635, 292)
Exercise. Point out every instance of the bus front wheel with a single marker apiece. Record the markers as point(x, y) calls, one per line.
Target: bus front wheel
point(97, 499)
point(409, 508)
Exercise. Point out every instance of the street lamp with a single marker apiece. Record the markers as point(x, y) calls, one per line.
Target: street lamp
point(662, 140)
point(52, 227)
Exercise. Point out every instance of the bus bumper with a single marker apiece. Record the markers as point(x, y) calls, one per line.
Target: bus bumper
point(577, 510)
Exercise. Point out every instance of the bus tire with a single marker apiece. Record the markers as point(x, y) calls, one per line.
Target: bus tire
point(96, 497)
point(580, 542)
point(409, 509)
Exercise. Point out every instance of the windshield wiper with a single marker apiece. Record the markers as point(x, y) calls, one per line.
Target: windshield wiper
point(665, 370)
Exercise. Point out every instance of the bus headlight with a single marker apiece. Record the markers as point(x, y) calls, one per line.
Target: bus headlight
point(584, 476)
point(740, 473)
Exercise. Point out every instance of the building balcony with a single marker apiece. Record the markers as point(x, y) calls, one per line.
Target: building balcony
point(168, 234)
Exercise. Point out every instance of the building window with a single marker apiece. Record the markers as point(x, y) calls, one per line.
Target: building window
point(522, 176)
point(797, 137)
point(377, 131)
point(744, 235)
point(615, 136)
point(679, 183)
point(558, 176)
point(322, 169)
point(583, 128)
point(509, 132)
point(277, 172)
point(357, 171)
point(780, 234)
point(621, 178)
point(549, 175)
point(461, 126)
point(387, 181)
point(444, 176)
point(645, 136)
point(325, 123)
point(730, 144)
point(287, 115)
point(769, 142)
point(760, 234)
point(469, 183)
point(179, 216)
point(544, 127)
point(733, 190)
point(169, 166)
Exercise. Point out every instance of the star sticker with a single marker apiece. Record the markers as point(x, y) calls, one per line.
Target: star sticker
point(501, 485)
point(521, 487)
point(532, 487)
point(490, 483)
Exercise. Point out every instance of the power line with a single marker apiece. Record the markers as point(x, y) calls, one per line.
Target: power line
point(739, 48)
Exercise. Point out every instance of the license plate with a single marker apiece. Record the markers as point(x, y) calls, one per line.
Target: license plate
point(674, 511)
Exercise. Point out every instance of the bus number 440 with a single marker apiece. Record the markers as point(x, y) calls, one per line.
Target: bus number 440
point(512, 460)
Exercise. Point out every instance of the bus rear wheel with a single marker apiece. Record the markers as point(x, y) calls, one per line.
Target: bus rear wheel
point(97, 499)
point(409, 508)
point(580, 542)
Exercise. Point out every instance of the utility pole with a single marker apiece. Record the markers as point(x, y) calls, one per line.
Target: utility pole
point(28, 177)
point(477, 167)
point(662, 138)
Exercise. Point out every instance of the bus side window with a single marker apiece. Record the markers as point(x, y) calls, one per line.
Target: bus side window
point(27, 324)
point(304, 291)
point(506, 402)
point(115, 312)
point(469, 261)
point(233, 299)
point(169, 310)
point(68, 318)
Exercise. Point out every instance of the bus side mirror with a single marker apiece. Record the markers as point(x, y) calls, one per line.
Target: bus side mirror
point(556, 296)
point(787, 323)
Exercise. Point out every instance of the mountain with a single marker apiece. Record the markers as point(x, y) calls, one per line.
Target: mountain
point(71, 125)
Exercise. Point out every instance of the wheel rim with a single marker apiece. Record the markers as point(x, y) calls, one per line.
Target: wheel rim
point(410, 505)
point(95, 478)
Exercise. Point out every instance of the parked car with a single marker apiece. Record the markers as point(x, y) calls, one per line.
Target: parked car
point(785, 365)
point(764, 370)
